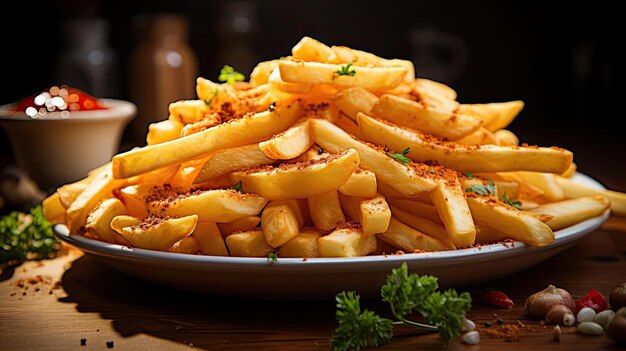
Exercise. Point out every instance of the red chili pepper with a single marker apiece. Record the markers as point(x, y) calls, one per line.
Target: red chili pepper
point(594, 300)
point(497, 298)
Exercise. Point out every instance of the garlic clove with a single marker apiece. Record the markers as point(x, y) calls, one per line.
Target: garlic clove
point(586, 314)
point(604, 318)
point(471, 338)
point(468, 325)
point(557, 314)
point(590, 328)
point(569, 319)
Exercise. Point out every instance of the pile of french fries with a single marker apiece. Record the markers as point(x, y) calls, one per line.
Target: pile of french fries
point(330, 152)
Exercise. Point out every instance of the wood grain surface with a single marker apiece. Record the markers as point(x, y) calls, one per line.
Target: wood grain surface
point(100, 305)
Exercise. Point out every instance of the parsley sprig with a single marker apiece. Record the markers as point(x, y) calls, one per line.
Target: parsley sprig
point(468, 175)
point(406, 294)
point(402, 156)
point(515, 203)
point(482, 189)
point(230, 76)
point(345, 71)
point(26, 236)
point(272, 257)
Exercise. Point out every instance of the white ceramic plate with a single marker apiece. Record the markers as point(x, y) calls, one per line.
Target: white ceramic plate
point(293, 278)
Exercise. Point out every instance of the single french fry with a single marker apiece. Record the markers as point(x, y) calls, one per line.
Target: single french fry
point(416, 208)
point(361, 183)
point(343, 54)
point(248, 244)
point(370, 78)
point(300, 180)
point(289, 144)
point(69, 192)
point(163, 131)
point(495, 115)
point(570, 171)
point(408, 239)
point(309, 49)
point(210, 239)
point(134, 199)
point(188, 111)
point(187, 173)
point(261, 73)
point(99, 221)
point(53, 209)
point(373, 214)
point(354, 100)
point(449, 200)
point(431, 120)
point(409, 180)
point(237, 132)
point(232, 160)
point(569, 212)
point(188, 245)
point(280, 224)
point(483, 158)
point(239, 225)
point(155, 233)
point(210, 120)
point(325, 210)
point(218, 205)
point(423, 225)
point(573, 190)
point(348, 241)
point(482, 136)
point(303, 245)
point(517, 225)
point(435, 88)
point(99, 188)
point(546, 182)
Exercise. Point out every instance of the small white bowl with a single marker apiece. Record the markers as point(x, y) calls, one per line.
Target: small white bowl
point(62, 147)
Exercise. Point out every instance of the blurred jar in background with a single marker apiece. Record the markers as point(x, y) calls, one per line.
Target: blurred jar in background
point(163, 69)
point(237, 26)
point(87, 61)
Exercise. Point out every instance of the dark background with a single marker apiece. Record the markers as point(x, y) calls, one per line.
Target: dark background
point(565, 62)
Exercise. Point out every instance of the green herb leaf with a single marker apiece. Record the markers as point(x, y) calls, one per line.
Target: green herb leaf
point(345, 71)
point(237, 187)
point(468, 174)
point(446, 311)
point(407, 293)
point(482, 189)
point(210, 101)
point(516, 203)
point(402, 156)
point(230, 76)
point(358, 329)
point(272, 257)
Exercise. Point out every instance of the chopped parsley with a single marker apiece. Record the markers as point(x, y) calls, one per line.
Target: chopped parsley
point(272, 257)
point(237, 187)
point(230, 76)
point(402, 156)
point(482, 189)
point(26, 236)
point(345, 71)
point(515, 203)
point(468, 175)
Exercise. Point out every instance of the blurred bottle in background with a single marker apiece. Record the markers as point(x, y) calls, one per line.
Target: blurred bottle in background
point(237, 26)
point(87, 61)
point(163, 69)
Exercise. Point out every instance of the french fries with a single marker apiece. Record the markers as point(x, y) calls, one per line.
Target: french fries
point(331, 152)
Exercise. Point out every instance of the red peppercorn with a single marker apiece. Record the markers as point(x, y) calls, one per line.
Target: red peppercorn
point(497, 298)
point(593, 300)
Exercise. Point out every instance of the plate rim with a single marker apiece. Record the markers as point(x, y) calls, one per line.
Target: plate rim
point(475, 254)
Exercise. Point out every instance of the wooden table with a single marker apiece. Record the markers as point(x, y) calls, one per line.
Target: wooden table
point(100, 305)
